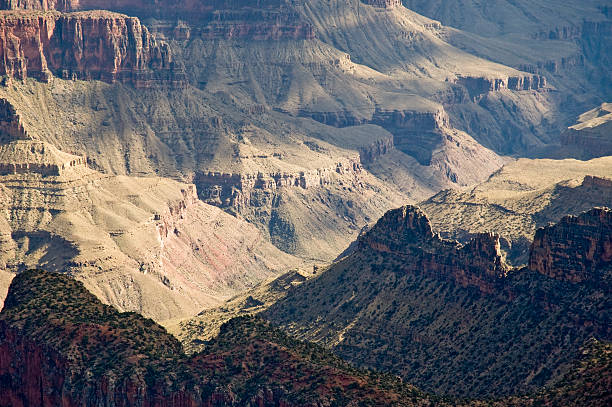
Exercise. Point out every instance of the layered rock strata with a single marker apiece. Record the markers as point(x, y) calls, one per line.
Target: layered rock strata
point(265, 20)
point(406, 233)
point(592, 135)
point(389, 4)
point(453, 318)
point(11, 127)
point(142, 244)
point(575, 248)
point(236, 190)
point(86, 45)
point(477, 86)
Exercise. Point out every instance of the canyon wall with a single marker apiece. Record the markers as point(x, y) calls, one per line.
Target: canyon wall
point(406, 233)
point(265, 20)
point(87, 45)
point(576, 247)
point(383, 3)
point(478, 86)
point(11, 127)
point(237, 190)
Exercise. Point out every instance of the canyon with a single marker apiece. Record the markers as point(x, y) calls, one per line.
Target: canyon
point(193, 107)
point(143, 244)
point(203, 161)
point(520, 198)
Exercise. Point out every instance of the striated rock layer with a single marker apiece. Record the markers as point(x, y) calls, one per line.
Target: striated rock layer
point(218, 19)
point(141, 244)
point(520, 198)
point(406, 233)
point(592, 135)
point(575, 248)
point(86, 45)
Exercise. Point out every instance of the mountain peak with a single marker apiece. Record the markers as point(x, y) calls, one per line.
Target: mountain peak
point(399, 228)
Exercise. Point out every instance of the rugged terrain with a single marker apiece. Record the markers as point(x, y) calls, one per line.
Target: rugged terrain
point(591, 135)
point(568, 43)
point(61, 345)
point(362, 106)
point(519, 198)
point(455, 318)
point(142, 244)
point(79, 351)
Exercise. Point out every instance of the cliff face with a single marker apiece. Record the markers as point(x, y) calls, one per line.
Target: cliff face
point(239, 190)
point(591, 135)
point(87, 45)
point(575, 248)
point(265, 20)
point(406, 233)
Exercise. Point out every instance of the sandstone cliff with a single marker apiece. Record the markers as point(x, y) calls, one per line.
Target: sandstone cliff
point(406, 233)
point(219, 19)
point(575, 248)
point(87, 45)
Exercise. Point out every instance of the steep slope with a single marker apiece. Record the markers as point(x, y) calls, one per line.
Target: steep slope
point(97, 45)
point(143, 244)
point(592, 135)
point(283, 139)
point(81, 352)
point(456, 319)
point(567, 42)
point(275, 172)
point(521, 197)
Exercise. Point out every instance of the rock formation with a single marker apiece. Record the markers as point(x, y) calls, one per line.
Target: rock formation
point(575, 248)
point(383, 3)
point(455, 318)
point(520, 198)
point(592, 135)
point(219, 19)
point(142, 244)
point(11, 128)
point(406, 233)
point(87, 45)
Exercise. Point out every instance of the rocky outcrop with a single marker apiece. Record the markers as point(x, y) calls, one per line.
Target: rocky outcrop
point(478, 86)
point(265, 20)
point(591, 135)
point(389, 4)
point(406, 233)
point(30, 157)
point(236, 190)
point(575, 248)
point(11, 128)
point(380, 147)
point(86, 45)
point(60, 346)
point(20, 154)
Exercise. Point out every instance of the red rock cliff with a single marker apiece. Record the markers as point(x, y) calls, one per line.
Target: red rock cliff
point(575, 248)
point(86, 45)
point(264, 19)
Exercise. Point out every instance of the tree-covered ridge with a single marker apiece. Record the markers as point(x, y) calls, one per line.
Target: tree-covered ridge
point(250, 359)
